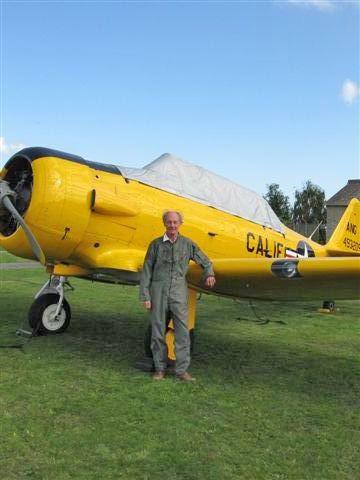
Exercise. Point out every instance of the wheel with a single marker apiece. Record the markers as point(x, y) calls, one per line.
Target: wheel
point(42, 310)
point(329, 304)
point(147, 341)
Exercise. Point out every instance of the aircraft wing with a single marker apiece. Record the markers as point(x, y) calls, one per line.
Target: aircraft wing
point(113, 265)
point(325, 278)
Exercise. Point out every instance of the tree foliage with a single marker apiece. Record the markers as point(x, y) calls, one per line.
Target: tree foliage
point(309, 205)
point(279, 202)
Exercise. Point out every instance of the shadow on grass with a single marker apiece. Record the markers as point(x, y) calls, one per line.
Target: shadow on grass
point(225, 357)
point(117, 341)
point(286, 367)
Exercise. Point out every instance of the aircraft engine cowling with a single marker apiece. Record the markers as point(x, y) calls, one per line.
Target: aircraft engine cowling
point(53, 198)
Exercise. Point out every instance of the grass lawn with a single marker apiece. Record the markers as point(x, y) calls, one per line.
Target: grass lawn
point(6, 257)
point(276, 401)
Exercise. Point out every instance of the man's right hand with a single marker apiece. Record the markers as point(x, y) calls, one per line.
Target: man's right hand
point(147, 304)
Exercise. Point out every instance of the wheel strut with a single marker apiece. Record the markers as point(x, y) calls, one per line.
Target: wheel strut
point(56, 284)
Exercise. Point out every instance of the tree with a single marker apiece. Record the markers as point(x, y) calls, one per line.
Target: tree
point(309, 210)
point(309, 206)
point(279, 202)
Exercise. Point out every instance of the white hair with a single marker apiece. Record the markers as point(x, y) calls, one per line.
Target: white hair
point(165, 214)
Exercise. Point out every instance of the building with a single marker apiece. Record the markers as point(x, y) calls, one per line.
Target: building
point(337, 204)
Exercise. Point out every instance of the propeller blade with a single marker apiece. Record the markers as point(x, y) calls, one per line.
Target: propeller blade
point(30, 236)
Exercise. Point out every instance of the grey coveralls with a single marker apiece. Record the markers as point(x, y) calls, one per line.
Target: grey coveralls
point(163, 282)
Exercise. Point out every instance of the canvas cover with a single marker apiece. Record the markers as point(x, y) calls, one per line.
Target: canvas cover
point(174, 175)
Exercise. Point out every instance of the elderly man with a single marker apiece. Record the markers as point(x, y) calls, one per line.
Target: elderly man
point(163, 290)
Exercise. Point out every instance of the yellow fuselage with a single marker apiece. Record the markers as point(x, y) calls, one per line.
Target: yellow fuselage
point(92, 219)
point(93, 223)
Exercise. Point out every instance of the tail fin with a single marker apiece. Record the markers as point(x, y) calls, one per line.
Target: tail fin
point(346, 237)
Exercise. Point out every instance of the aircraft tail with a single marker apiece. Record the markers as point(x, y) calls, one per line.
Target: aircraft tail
point(345, 239)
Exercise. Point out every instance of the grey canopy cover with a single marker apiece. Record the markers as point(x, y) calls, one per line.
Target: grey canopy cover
point(174, 175)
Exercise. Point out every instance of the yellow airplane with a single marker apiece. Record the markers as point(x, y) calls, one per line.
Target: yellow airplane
point(95, 221)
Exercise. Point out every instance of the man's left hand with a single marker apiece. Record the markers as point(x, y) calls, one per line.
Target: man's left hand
point(210, 281)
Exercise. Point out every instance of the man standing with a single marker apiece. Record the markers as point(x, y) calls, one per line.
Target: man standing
point(163, 289)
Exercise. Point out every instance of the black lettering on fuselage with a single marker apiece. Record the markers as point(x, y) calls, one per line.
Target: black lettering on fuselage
point(266, 249)
point(351, 227)
point(250, 235)
point(262, 246)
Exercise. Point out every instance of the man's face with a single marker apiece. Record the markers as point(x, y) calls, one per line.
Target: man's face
point(172, 224)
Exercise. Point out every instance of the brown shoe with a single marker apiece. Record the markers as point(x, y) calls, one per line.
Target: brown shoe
point(158, 375)
point(185, 377)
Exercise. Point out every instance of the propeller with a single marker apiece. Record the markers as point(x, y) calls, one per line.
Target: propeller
point(6, 194)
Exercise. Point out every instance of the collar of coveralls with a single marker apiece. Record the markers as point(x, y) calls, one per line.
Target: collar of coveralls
point(166, 238)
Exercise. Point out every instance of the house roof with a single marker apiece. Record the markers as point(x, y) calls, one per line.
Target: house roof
point(343, 196)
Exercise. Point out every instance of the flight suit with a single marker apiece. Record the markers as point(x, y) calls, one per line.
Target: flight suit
point(163, 282)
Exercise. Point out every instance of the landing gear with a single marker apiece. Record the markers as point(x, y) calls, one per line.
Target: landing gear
point(329, 305)
point(50, 313)
point(43, 318)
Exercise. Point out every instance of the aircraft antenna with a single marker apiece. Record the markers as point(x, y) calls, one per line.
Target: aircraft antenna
point(316, 229)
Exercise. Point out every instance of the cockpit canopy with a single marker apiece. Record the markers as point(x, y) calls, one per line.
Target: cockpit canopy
point(174, 175)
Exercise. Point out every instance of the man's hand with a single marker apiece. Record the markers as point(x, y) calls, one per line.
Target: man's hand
point(210, 281)
point(147, 304)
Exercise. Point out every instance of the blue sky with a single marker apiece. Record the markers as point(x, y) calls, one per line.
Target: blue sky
point(259, 92)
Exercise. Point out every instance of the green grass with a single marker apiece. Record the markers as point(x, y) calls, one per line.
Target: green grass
point(6, 257)
point(278, 401)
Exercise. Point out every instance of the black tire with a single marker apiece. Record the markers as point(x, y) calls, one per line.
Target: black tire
point(41, 309)
point(147, 341)
point(329, 304)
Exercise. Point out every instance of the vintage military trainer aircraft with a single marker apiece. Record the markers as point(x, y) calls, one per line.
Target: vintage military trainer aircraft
point(95, 221)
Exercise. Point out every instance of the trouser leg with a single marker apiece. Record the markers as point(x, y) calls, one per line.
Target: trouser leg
point(158, 326)
point(179, 312)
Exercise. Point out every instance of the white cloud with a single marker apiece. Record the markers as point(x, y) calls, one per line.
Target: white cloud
point(323, 5)
point(9, 147)
point(350, 91)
